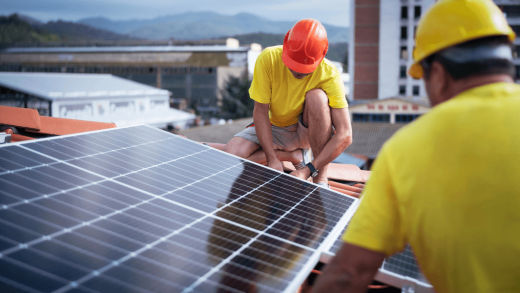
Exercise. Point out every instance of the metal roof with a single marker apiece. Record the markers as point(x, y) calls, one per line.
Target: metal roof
point(127, 49)
point(67, 86)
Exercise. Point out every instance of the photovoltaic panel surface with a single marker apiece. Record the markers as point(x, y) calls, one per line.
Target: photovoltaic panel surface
point(141, 210)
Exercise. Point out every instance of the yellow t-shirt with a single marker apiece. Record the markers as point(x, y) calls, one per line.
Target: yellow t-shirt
point(274, 84)
point(449, 184)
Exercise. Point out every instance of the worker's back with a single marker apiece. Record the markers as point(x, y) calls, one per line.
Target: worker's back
point(456, 177)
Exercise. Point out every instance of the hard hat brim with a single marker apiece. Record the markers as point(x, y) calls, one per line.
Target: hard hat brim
point(298, 67)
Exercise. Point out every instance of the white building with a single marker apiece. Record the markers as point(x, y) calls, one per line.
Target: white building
point(382, 42)
point(92, 97)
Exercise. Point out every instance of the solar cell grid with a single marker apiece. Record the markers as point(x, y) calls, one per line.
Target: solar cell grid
point(137, 210)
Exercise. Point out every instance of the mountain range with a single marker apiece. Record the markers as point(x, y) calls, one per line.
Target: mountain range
point(203, 25)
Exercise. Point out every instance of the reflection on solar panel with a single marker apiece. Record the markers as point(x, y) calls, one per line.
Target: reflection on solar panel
point(138, 209)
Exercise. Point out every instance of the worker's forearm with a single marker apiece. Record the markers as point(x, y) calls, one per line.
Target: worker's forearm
point(334, 147)
point(264, 133)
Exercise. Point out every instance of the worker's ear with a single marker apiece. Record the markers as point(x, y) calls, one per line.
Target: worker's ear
point(439, 83)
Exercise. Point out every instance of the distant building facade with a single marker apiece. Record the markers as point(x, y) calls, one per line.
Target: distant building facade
point(391, 110)
point(195, 75)
point(382, 41)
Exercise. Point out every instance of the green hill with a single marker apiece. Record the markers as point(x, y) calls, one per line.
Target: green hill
point(70, 31)
point(14, 30)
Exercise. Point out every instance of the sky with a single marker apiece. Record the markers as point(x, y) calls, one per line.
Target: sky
point(335, 12)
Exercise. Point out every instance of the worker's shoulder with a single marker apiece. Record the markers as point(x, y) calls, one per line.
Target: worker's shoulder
point(274, 52)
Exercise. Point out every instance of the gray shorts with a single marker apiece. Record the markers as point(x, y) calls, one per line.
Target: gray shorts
point(287, 138)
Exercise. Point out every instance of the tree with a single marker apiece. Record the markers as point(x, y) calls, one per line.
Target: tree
point(236, 102)
point(345, 62)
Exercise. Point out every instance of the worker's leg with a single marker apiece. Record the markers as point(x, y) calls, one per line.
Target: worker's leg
point(244, 148)
point(318, 120)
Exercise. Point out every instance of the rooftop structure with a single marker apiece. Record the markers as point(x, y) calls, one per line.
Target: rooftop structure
point(92, 97)
point(195, 75)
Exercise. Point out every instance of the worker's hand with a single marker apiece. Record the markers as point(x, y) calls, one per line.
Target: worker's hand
point(304, 173)
point(275, 164)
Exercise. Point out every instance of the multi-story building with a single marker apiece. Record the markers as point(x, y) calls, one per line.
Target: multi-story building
point(511, 9)
point(382, 42)
point(381, 46)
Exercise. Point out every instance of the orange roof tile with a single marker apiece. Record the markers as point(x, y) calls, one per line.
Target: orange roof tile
point(31, 121)
point(20, 117)
point(19, 137)
point(62, 126)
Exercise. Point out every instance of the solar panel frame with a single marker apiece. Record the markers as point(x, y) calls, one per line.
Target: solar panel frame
point(49, 161)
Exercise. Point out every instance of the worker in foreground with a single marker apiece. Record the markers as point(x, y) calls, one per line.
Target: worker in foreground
point(448, 183)
point(299, 96)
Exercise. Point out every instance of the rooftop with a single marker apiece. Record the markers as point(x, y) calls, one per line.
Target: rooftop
point(217, 48)
point(368, 138)
point(67, 86)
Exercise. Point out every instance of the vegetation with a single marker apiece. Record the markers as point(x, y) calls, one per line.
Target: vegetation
point(236, 102)
point(13, 30)
point(70, 31)
point(16, 29)
point(338, 52)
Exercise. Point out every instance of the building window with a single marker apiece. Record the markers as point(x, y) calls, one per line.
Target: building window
point(417, 12)
point(406, 118)
point(516, 29)
point(361, 117)
point(511, 10)
point(404, 33)
point(414, 32)
point(402, 90)
point(415, 90)
point(516, 52)
point(404, 12)
point(517, 72)
point(404, 53)
point(402, 72)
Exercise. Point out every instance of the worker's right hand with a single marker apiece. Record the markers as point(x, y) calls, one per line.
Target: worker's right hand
point(275, 164)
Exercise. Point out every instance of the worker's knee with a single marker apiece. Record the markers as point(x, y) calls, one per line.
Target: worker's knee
point(240, 147)
point(316, 100)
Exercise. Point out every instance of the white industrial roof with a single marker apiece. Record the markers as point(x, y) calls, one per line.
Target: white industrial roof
point(127, 49)
point(67, 86)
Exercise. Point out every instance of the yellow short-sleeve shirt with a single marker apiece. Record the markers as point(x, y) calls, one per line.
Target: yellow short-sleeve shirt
point(449, 184)
point(274, 84)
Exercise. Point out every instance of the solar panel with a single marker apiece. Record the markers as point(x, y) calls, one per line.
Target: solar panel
point(138, 209)
point(400, 270)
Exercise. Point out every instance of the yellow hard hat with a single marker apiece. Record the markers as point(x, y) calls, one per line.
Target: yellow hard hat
point(451, 22)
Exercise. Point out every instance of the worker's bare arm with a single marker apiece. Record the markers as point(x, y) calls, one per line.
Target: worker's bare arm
point(351, 270)
point(339, 142)
point(265, 135)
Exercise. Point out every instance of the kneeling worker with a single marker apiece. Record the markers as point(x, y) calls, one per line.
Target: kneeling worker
point(448, 182)
point(299, 97)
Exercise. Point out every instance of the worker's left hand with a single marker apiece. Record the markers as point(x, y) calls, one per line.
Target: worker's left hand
point(302, 173)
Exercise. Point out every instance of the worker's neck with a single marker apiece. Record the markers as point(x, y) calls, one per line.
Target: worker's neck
point(465, 84)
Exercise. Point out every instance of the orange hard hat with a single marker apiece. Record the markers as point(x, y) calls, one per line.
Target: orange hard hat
point(305, 45)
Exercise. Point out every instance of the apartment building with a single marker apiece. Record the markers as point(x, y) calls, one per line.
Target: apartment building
point(382, 42)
